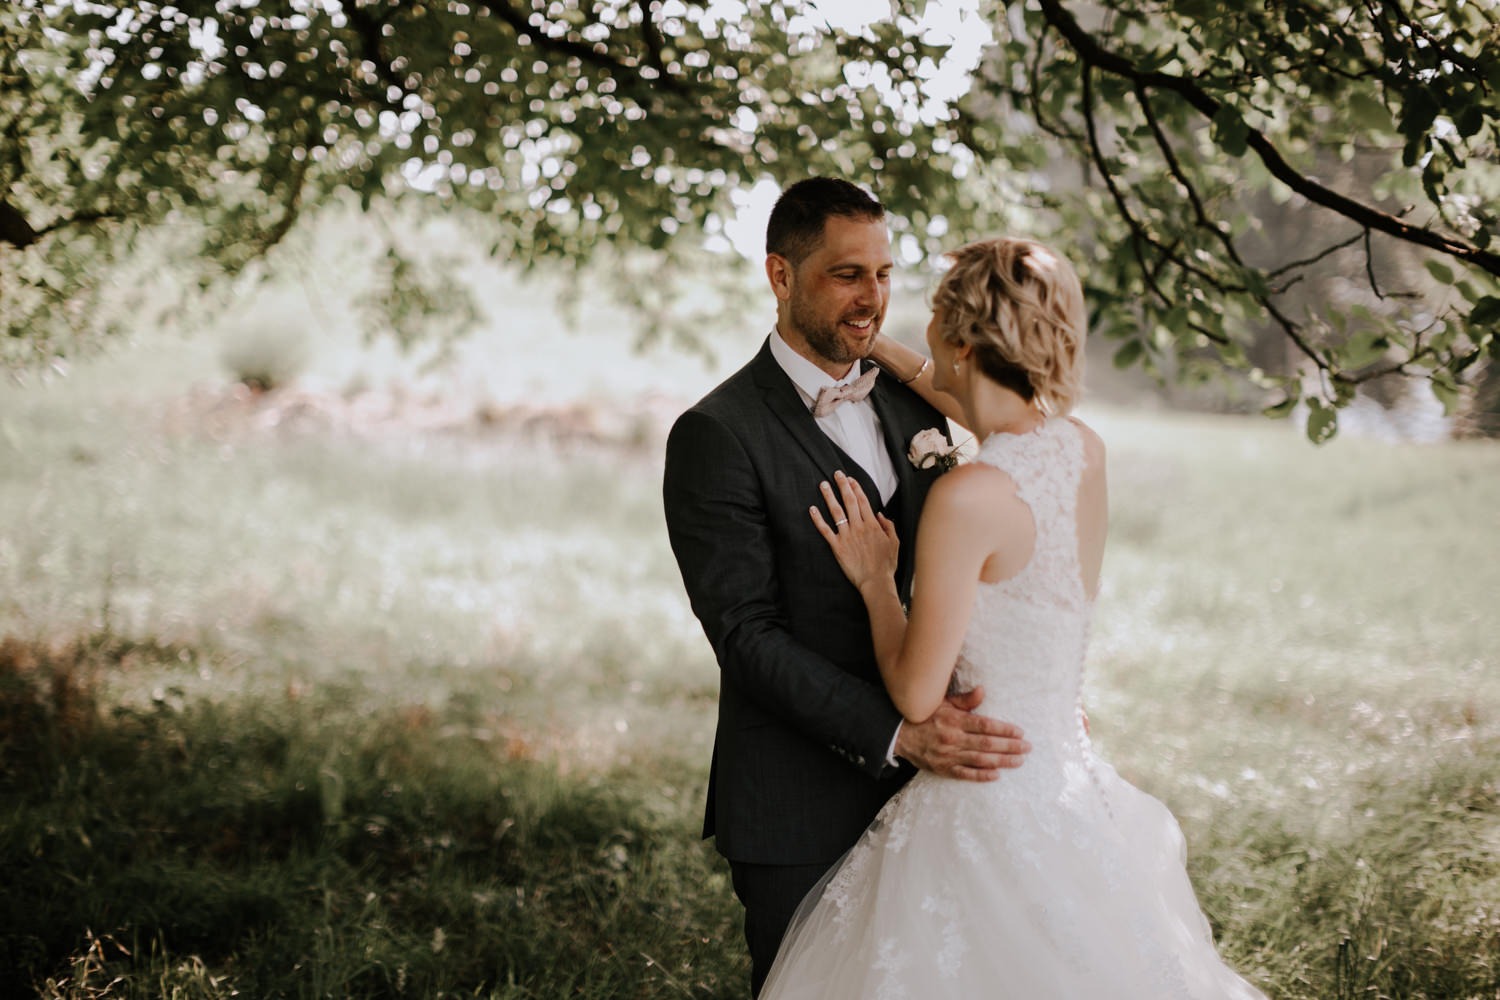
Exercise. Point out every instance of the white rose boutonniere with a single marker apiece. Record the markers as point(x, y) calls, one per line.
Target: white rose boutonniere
point(930, 450)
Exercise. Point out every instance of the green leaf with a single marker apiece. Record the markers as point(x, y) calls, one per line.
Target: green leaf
point(1447, 394)
point(1196, 10)
point(1486, 312)
point(1470, 120)
point(1322, 421)
point(1129, 354)
point(1283, 409)
point(1369, 112)
point(1419, 113)
point(1442, 272)
point(1229, 131)
point(1432, 179)
point(1365, 347)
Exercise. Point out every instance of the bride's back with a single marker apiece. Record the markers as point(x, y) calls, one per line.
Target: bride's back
point(1028, 632)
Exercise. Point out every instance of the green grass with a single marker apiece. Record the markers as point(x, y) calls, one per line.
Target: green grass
point(298, 848)
point(304, 713)
point(1295, 651)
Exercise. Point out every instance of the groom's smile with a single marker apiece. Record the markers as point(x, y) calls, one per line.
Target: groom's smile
point(833, 302)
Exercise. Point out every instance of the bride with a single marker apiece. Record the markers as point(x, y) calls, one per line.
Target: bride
point(1059, 880)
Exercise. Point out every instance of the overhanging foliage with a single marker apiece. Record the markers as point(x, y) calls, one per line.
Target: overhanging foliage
point(571, 126)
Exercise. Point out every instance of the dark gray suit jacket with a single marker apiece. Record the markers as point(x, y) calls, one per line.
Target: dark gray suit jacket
point(804, 724)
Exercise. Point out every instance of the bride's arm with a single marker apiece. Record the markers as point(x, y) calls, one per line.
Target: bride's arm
point(914, 370)
point(959, 529)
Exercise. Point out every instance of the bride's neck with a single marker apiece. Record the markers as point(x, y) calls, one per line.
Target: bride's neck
point(994, 409)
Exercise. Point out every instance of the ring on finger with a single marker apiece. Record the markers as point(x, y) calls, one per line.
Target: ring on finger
point(842, 520)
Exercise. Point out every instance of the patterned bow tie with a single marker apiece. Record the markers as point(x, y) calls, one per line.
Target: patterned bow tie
point(830, 396)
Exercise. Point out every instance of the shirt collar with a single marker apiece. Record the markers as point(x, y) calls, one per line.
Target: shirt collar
point(806, 376)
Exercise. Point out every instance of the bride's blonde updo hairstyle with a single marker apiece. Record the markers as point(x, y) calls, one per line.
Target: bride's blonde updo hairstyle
point(1020, 306)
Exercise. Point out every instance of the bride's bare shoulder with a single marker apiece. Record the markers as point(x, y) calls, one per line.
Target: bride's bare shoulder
point(972, 488)
point(1093, 444)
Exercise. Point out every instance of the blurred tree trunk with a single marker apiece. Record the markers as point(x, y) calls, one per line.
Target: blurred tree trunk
point(1481, 418)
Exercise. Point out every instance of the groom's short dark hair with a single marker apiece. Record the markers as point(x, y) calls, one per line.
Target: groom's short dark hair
point(797, 221)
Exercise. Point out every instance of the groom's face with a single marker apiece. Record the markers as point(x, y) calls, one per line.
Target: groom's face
point(835, 299)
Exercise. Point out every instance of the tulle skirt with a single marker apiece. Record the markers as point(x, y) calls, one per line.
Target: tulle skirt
point(967, 891)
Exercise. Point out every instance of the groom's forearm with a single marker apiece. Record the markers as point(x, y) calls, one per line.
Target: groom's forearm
point(811, 694)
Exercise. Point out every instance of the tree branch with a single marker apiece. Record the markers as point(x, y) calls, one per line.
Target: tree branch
point(1170, 156)
point(1320, 255)
point(1094, 54)
point(14, 229)
point(1139, 235)
point(1290, 328)
point(1150, 275)
point(1169, 252)
point(1370, 267)
point(368, 28)
point(291, 207)
point(1034, 97)
point(651, 36)
point(592, 54)
point(1294, 334)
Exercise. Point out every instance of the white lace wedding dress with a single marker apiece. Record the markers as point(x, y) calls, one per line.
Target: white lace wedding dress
point(1059, 880)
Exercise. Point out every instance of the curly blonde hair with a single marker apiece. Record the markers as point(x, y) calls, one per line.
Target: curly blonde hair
point(1020, 306)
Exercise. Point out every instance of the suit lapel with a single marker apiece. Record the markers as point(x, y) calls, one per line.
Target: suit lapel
point(783, 400)
point(896, 432)
point(899, 414)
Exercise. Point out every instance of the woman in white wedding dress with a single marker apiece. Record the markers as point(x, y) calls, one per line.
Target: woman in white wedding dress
point(1059, 879)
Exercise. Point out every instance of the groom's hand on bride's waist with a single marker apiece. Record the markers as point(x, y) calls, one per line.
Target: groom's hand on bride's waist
point(957, 743)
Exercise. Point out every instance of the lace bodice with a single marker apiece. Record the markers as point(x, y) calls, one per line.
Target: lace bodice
point(1027, 636)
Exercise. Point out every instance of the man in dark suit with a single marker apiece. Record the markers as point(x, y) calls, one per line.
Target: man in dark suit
point(808, 747)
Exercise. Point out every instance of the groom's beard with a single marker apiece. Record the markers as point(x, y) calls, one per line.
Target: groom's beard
point(828, 340)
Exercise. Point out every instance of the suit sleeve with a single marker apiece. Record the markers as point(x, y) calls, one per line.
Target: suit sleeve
point(716, 519)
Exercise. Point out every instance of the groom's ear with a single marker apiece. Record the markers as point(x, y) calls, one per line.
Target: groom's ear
point(779, 273)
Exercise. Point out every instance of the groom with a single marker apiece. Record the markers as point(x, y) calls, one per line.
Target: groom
point(808, 746)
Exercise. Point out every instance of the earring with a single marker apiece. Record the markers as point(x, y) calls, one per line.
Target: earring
point(955, 366)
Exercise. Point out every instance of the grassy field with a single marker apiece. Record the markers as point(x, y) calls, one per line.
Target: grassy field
point(298, 704)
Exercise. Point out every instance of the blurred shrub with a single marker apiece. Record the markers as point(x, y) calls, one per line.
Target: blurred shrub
point(267, 351)
point(46, 697)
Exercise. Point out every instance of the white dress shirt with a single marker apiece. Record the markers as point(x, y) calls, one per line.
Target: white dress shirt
point(854, 427)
